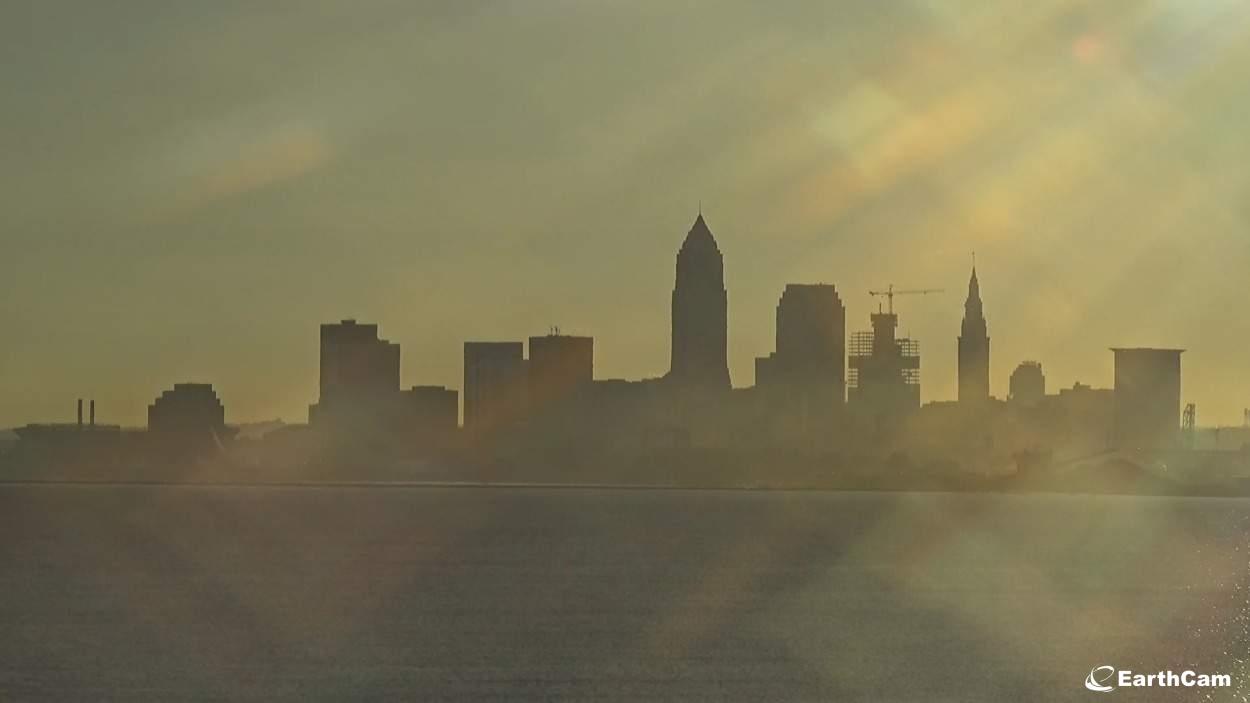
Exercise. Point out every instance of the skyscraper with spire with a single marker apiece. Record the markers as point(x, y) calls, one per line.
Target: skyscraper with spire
point(974, 347)
point(700, 314)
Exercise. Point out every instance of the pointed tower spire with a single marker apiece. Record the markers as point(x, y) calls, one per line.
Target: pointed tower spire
point(700, 235)
point(972, 307)
point(974, 345)
point(700, 314)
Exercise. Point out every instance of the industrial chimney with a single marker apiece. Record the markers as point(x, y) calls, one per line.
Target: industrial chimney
point(80, 413)
point(93, 412)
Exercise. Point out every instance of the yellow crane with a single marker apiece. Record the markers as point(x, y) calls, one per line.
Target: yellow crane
point(889, 293)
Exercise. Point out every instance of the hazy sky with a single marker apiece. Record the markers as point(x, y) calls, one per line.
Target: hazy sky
point(187, 189)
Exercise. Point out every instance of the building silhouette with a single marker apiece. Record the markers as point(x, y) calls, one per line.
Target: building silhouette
point(821, 401)
point(974, 348)
point(495, 384)
point(188, 418)
point(628, 415)
point(432, 412)
point(1028, 384)
point(700, 315)
point(359, 377)
point(1080, 419)
point(80, 435)
point(1147, 398)
point(805, 379)
point(884, 372)
point(560, 369)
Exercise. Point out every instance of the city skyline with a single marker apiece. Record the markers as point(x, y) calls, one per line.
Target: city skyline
point(624, 350)
point(193, 207)
point(360, 373)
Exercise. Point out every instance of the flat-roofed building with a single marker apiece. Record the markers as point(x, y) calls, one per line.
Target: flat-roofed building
point(359, 377)
point(560, 367)
point(1147, 398)
point(430, 410)
point(494, 384)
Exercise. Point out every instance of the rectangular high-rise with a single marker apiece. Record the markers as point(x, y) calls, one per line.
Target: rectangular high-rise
point(1147, 398)
point(811, 346)
point(359, 373)
point(560, 366)
point(494, 384)
point(430, 410)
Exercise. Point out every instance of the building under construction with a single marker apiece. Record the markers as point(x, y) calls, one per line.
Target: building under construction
point(883, 376)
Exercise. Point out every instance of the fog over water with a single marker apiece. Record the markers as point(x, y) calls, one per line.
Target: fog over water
point(287, 593)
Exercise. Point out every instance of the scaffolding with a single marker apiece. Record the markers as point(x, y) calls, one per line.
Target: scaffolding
point(860, 350)
point(909, 350)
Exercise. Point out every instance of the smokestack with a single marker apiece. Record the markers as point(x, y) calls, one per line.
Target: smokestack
point(80, 412)
point(93, 412)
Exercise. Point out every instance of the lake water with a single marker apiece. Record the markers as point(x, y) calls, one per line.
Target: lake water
point(404, 593)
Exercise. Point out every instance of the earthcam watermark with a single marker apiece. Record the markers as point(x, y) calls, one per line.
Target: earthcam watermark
point(1105, 679)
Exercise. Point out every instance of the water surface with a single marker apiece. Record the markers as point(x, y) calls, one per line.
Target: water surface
point(298, 593)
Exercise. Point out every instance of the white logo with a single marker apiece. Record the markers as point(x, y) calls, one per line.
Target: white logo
point(1105, 679)
point(1098, 678)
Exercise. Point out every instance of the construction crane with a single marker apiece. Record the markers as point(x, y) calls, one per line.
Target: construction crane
point(889, 293)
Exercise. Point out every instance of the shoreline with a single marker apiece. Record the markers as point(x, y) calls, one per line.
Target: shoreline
point(606, 487)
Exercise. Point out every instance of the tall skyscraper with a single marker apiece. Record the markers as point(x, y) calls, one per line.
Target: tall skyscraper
point(494, 384)
point(359, 375)
point(560, 367)
point(1147, 398)
point(808, 370)
point(700, 314)
point(974, 348)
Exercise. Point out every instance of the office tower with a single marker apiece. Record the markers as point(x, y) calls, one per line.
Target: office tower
point(811, 344)
point(700, 315)
point(974, 348)
point(429, 411)
point(494, 384)
point(807, 374)
point(1147, 398)
point(1028, 384)
point(359, 376)
point(560, 367)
